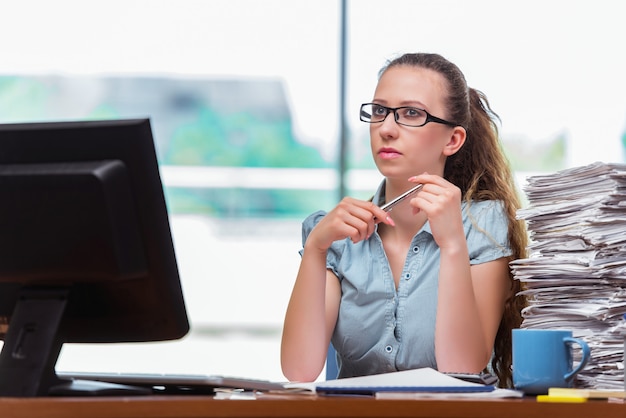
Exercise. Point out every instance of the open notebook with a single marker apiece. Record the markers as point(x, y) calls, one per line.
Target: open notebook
point(417, 380)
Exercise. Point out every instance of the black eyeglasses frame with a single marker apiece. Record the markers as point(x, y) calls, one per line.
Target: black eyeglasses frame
point(396, 116)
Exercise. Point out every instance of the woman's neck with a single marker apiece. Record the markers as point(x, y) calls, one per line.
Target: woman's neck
point(407, 223)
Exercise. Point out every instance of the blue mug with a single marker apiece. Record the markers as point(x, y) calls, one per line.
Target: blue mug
point(542, 359)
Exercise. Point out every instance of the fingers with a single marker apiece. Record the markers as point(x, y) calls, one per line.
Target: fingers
point(437, 195)
point(356, 219)
point(431, 179)
point(362, 216)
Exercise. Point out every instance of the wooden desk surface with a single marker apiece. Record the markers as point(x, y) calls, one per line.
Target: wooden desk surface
point(298, 406)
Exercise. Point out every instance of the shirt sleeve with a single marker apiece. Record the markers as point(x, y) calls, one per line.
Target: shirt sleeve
point(335, 251)
point(487, 236)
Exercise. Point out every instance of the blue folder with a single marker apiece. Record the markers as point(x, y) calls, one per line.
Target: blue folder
point(372, 390)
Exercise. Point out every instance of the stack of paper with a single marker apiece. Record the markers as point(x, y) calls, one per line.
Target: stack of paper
point(575, 276)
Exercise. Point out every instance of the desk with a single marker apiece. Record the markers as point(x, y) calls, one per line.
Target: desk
point(298, 406)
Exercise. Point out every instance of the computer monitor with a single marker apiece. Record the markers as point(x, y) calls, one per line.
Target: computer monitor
point(86, 254)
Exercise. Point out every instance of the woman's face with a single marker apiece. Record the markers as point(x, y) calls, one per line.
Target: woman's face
point(403, 151)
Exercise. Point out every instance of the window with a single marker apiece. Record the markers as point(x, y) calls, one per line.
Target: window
point(244, 101)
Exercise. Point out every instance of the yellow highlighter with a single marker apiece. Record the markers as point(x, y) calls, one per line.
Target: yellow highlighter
point(561, 399)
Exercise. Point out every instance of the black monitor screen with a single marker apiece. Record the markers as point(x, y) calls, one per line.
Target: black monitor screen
point(86, 254)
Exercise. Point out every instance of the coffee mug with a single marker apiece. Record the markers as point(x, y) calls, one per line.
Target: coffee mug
point(542, 359)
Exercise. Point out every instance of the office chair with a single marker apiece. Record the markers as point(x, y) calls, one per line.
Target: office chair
point(332, 369)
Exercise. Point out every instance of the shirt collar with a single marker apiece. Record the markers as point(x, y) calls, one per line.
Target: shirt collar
point(379, 196)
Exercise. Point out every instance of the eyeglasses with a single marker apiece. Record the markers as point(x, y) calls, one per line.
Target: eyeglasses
point(406, 115)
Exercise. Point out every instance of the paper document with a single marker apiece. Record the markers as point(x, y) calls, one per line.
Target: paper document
point(587, 393)
point(417, 380)
point(575, 274)
point(494, 394)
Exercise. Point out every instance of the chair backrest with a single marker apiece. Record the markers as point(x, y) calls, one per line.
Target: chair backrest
point(332, 369)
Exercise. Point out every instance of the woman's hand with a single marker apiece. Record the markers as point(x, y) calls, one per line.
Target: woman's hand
point(351, 218)
point(440, 200)
point(314, 305)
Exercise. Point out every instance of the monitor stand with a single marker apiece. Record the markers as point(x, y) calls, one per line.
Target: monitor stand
point(32, 347)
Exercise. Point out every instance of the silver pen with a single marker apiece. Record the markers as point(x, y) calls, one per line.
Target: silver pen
point(389, 205)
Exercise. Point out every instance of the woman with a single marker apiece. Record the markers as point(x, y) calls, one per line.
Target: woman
point(427, 284)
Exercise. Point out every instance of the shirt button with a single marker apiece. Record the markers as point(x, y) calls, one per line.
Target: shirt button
point(416, 249)
point(389, 349)
point(407, 276)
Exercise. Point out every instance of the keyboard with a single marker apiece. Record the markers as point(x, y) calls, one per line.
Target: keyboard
point(173, 383)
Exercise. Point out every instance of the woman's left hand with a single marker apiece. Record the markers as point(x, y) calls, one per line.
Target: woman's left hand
point(440, 200)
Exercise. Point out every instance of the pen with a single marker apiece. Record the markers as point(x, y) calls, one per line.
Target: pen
point(389, 205)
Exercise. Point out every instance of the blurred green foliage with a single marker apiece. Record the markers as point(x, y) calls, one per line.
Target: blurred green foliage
point(239, 140)
point(189, 132)
point(533, 156)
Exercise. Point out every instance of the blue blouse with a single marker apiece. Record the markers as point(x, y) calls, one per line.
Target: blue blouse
point(380, 329)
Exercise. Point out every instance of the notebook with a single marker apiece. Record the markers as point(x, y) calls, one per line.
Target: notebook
point(417, 380)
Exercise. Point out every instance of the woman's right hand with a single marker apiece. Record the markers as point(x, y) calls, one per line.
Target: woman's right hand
point(351, 218)
point(314, 304)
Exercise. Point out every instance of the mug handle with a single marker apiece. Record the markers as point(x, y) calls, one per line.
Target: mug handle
point(583, 361)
